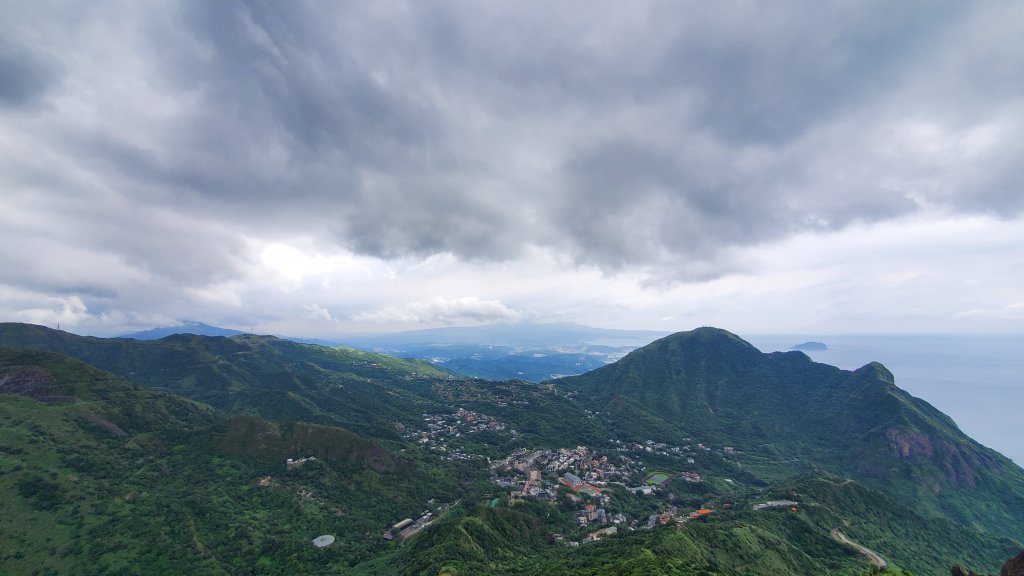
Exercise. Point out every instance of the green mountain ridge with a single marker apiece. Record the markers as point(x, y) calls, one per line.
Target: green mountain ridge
point(741, 541)
point(100, 474)
point(184, 327)
point(712, 383)
point(261, 375)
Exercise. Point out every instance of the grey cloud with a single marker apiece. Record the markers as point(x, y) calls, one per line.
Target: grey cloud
point(625, 202)
point(631, 202)
point(25, 76)
point(283, 64)
point(86, 254)
point(767, 75)
point(660, 137)
point(444, 311)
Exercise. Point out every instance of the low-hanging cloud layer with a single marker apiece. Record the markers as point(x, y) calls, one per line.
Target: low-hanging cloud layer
point(320, 168)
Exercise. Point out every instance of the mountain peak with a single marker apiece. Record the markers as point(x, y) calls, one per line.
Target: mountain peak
point(876, 370)
point(183, 327)
point(703, 340)
point(710, 333)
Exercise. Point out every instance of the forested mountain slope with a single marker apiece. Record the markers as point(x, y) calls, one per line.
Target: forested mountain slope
point(789, 411)
point(262, 375)
point(676, 445)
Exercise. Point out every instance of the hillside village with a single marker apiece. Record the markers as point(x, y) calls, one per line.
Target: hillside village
point(588, 478)
point(585, 477)
point(441, 429)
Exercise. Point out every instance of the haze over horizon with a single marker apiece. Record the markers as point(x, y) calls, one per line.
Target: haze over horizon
point(316, 170)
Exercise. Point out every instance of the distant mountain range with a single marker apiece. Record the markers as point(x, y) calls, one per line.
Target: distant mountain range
point(526, 351)
point(185, 327)
point(170, 455)
point(519, 335)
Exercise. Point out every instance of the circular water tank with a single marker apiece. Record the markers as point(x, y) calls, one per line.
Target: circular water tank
point(323, 541)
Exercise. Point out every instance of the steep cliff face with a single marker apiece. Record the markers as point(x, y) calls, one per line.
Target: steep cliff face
point(960, 464)
point(910, 446)
point(32, 382)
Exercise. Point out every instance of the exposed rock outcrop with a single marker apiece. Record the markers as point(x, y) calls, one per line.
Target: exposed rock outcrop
point(1014, 566)
point(31, 382)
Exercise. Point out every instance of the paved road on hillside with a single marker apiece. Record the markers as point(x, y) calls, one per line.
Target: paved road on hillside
point(873, 556)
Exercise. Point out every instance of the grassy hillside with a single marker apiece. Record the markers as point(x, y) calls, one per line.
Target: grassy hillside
point(98, 475)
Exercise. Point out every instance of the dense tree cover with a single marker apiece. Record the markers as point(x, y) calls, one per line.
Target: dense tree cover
point(260, 375)
point(101, 475)
point(732, 541)
point(105, 481)
point(786, 411)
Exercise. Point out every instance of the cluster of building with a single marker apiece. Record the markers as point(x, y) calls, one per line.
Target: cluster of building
point(458, 390)
point(534, 486)
point(578, 469)
point(598, 534)
point(577, 484)
point(663, 449)
point(296, 462)
point(662, 518)
point(587, 465)
point(672, 514)
point(409, 527)
point(540, 473)
point(591, 514)
point(442, 428)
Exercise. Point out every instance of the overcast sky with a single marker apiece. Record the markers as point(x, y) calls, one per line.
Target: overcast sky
point(320, 168)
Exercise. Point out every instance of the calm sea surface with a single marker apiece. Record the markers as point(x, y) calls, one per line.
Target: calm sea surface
point(976, 380)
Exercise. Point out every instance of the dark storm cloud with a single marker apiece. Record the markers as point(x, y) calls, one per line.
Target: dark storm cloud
point(24, 75)
point(768, 74)
point(294, 133)
point(658, 136)
point(280, 65)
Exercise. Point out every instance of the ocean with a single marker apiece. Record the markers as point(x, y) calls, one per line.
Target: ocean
point(977, 380)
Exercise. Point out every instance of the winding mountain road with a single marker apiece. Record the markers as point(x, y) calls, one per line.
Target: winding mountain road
point(876, 560)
